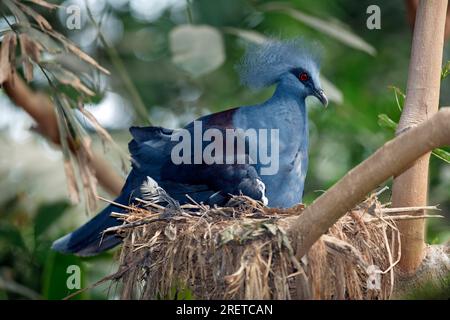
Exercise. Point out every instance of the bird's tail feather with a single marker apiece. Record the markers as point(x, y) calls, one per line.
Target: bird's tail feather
point(89, 239)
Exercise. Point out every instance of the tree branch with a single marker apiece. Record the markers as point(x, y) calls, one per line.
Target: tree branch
point(411, 8)
point(433, 273)
point(390, 160)
point(41, 109)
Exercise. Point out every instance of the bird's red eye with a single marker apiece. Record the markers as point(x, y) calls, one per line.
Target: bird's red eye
point(304, 76)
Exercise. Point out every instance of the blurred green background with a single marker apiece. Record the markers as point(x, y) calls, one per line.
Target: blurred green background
point(173, 89)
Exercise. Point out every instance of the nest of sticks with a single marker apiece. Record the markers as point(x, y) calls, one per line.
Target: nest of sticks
point(243, 251)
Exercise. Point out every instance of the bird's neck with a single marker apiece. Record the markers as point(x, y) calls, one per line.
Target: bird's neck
point(288, 88)
point(289, 95)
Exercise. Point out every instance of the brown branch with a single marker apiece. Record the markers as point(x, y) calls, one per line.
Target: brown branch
point(422, 99)
point(390, 160)
point(41, 109)
point(411, 10)
point(17, 288)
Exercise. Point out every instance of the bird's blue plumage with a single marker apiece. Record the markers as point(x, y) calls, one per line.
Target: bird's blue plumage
point(295, 71)
point(262, 65)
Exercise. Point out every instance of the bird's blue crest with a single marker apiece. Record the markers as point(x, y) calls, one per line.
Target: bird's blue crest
point(263, 64)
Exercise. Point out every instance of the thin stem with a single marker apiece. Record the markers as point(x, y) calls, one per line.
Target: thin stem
point(8, 23)
point(189, 11)
point(121, 69)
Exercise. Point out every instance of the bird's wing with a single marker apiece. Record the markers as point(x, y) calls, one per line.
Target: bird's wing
point(223, 179)
point(223, 119)
point(151, 151)
point(202, 181)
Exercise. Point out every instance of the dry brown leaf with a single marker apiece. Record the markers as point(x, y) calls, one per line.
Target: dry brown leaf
point(97, 126)
point(7, 56)
point(45, 4)
point(30, 47)
point(87, 173)
point(31, 51)
point(46, 41)
point(40, 20)
point(74, 193)
point(77, 51)
point(103, 133)
point(27, 69)
point(18, 14)
point(69, 78)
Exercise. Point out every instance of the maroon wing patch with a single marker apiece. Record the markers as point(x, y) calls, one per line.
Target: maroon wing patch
point(222, 119)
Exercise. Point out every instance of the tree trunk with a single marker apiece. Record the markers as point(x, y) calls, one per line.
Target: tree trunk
point(411, 9)
point(422, 100)
point(390, 160)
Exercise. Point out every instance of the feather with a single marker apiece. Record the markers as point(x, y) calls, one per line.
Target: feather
point(263, 64)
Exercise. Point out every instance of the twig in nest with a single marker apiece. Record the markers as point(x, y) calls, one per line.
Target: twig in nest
point(406, 209)
point(405, 217)
point(115, 203)
point(131, 225)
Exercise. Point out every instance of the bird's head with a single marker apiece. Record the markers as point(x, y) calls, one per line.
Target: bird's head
point(292, 63)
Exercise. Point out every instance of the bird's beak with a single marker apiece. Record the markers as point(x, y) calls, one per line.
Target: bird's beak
point(320, 94)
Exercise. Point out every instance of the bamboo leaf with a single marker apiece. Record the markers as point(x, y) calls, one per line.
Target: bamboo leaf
point(82, 154)
point(67, 77)
point(31, 51)
point(17, 13)
point(330, 28)
point(7, 56)
point(104, 134)
point(44, 4)
point(333, 93)
point(72, 187)
point(445, 70)
point(442, 154)
point(40, 20)
point(399, 95)
point(77, 51)
point(386, 122)
point(248, 35)
point(47, 42)
point(48, 214)
point(54, 286)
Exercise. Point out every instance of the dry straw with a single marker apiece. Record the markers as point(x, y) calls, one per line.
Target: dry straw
point(242, 252)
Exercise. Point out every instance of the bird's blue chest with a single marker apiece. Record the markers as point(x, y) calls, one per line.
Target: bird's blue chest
point(284, 187)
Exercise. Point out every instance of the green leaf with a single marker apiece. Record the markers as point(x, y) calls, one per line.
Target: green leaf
point(442, 154)
point(247, 35)
point(335, 30)
point(399, 97)
point(333, 93)
point(445, 70)
point(56, 274)
point(47, 214)
point(386, 122)
point(10, 236)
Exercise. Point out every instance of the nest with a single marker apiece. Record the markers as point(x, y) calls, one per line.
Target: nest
point(243, 251)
